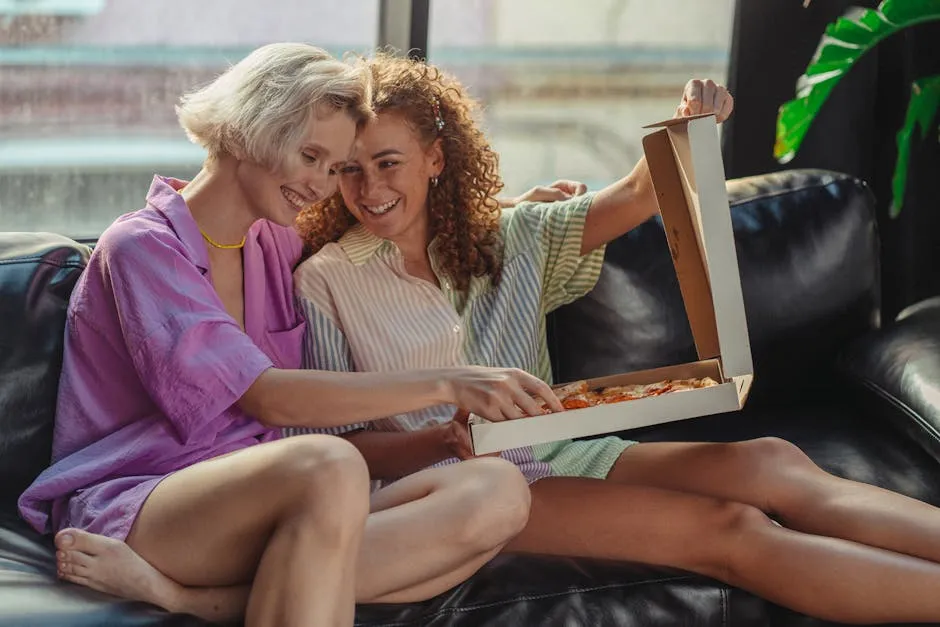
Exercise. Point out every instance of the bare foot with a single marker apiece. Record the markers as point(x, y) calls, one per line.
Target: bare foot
point(110, 566)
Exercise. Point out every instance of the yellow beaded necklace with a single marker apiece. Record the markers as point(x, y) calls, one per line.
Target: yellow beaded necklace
point(214, 243)
point(241, 244)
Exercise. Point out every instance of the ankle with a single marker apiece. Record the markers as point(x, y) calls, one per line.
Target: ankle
point(174, 597)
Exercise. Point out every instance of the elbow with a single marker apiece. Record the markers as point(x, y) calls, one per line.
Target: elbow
point(262, 402)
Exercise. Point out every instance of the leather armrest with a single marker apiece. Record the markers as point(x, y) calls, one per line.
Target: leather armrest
point(899, 368)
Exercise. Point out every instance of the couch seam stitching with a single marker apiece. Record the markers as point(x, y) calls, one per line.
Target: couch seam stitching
point(536, 597)
point(792, 190)
point(898, 403)
point(31, 260)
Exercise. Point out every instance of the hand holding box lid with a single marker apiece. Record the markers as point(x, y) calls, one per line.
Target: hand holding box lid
point(686, 169)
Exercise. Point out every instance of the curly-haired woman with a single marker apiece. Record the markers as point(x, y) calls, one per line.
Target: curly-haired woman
point(414, 265)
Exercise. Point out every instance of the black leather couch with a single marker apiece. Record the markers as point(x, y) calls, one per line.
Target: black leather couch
point(861, 401)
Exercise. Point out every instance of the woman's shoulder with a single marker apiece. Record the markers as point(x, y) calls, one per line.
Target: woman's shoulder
point(330, 256)
point(524, 225)
point(141, 233)
point(314, 273)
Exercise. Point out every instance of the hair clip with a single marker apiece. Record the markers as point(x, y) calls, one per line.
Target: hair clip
point(438, 120)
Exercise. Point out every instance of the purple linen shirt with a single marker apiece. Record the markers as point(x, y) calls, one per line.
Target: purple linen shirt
point(153, 364)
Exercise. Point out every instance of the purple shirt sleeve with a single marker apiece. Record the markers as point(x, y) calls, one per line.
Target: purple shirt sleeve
point(190, 355)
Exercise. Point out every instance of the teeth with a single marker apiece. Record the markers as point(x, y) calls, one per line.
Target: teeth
point(381, 209)
point(295, 199)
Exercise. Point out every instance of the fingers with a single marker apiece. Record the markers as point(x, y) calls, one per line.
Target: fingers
point(705, 96)
point(571, 188)
point(551, 194)
point(708, 96)
point(465, 444)
point(461, 417)
point(525, 402)
point(692, 97)
point(535, 386)
point(727, 106)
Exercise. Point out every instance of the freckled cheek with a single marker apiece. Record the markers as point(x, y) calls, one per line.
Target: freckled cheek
point(347, 191)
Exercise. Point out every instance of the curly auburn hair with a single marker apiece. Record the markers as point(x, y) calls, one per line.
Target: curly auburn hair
point(464, 213)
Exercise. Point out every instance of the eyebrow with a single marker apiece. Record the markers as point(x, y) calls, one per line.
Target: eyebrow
point(322, 152)
point(316, 148)
point(387, 152)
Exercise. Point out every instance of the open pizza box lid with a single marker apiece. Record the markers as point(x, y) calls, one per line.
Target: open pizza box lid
point(684, 157)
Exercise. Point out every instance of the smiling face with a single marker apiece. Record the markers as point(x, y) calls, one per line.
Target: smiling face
point(307, 175)
point(385, 182)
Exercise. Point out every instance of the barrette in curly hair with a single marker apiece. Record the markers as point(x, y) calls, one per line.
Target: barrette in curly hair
point(438, 120)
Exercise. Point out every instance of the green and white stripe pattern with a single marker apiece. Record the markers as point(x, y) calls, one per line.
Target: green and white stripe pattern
point(366, 313)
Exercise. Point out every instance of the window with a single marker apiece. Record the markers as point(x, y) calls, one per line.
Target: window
point(87, 87)
point(87, 90)
point(50, 7)
point(567, 86)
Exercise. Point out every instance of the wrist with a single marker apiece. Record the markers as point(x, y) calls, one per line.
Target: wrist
point(438, 441)
point(443, 390)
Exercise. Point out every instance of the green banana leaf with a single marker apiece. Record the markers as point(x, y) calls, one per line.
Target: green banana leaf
point(921, 111)
point(844, 43)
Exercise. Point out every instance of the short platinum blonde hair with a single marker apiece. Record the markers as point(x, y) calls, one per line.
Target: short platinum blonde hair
point(259, 108)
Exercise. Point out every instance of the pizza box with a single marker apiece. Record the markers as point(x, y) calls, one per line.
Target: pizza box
point(685, 163)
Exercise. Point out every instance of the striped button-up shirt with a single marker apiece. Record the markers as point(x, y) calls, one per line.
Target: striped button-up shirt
point(366, 313)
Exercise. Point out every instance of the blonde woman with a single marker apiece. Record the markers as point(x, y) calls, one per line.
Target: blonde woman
point(181, 367)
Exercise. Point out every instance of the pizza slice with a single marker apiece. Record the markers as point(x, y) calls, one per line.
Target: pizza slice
point(577, 395)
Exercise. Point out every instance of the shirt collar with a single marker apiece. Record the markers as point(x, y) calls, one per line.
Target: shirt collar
point(360, 245)
point(164, 197)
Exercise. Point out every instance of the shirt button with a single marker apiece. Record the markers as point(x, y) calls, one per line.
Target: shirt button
point(456, 328)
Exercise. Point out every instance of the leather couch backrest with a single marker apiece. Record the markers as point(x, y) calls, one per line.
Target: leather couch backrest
point(807, 250)
point(808, 255)
point(37, 274)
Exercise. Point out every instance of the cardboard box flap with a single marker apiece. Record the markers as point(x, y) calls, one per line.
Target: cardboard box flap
point(681, 234)
point(678, 121)
point(689, 183)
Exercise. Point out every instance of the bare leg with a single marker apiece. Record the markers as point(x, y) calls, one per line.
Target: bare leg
point(427, 533)
point(779, 479)
point(829, 578)
point(263, 516)
point(432, 530)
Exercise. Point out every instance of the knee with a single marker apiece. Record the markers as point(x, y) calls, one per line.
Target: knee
point(730, 531)
point(496, 499)
point(776, 453)
point(325, 474)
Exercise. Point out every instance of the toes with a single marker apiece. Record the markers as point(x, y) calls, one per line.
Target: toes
point(78, 540)
point(65, 539)
point(75, 540)
point(71, 568)
point(76, 558)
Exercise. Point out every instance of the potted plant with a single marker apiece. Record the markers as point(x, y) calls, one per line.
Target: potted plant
point(845, 41)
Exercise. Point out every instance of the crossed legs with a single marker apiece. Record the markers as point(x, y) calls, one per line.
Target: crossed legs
point(847, 552)
point(425, 534)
